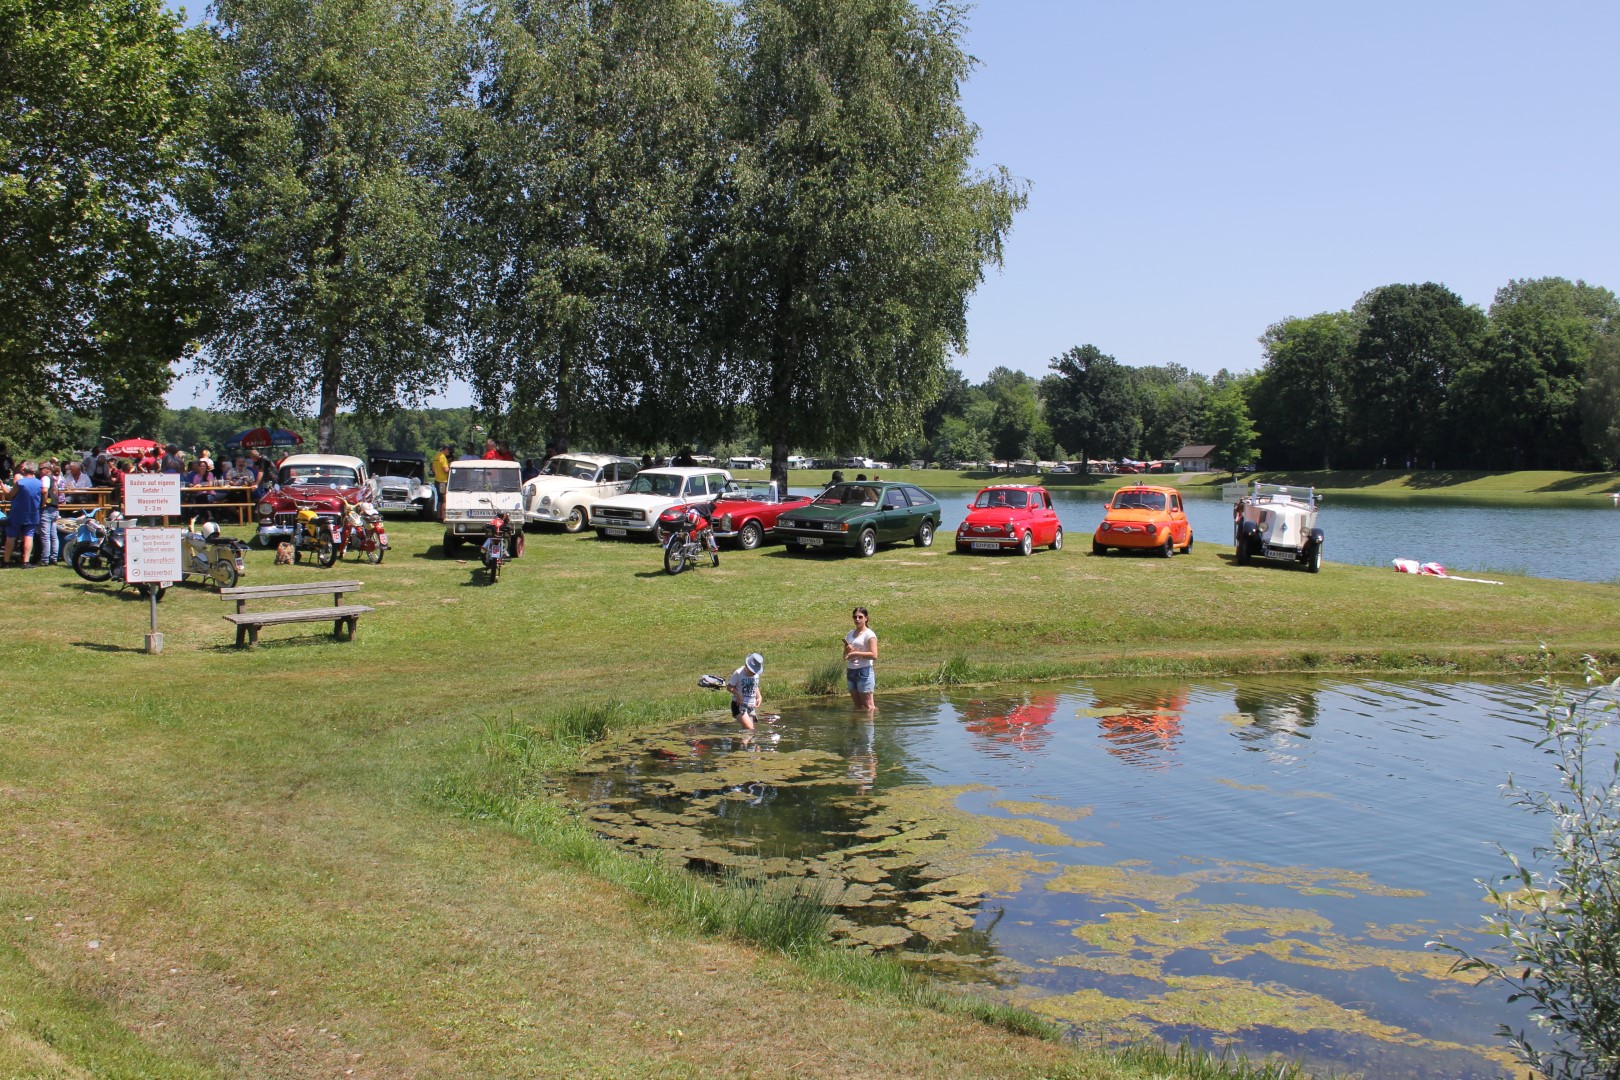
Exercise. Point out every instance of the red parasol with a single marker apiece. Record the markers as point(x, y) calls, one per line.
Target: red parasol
point(265, 437)
point(131, 447)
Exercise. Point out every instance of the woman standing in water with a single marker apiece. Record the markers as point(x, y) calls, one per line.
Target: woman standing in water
point(860, 651)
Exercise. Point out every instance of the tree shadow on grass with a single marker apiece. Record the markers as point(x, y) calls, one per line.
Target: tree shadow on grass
point(1584, 480)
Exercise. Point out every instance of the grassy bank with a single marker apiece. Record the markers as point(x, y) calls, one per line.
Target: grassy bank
point(1468, 486)
point(226, 863)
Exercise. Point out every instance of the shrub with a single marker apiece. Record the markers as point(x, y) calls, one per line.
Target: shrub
point(1559, 927)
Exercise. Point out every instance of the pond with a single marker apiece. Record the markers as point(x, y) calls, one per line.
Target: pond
point(1257, 864)
point(1572, 543)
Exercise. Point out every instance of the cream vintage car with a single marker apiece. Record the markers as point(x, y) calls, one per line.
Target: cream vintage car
point(571, 484)
point(635, 513)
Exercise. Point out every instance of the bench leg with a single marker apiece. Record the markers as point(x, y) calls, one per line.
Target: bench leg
point(354, 626)
point(241, 636)
point(337, 628)
point(253, 637)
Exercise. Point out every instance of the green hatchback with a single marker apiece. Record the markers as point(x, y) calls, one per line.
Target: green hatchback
point(862, 515)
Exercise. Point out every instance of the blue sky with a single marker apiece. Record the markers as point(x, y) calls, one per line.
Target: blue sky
point(1199, 171)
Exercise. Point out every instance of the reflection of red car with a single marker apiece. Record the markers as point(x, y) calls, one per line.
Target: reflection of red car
point(745, 512)
point(1013, 517)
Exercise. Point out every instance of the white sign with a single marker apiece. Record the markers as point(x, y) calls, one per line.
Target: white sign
point(153, 555)
point(152, 495)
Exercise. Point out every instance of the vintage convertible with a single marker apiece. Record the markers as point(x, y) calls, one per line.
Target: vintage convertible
point(322, 483)
point(861, 516)
point(1271, 521)
point(745, 513)
point(403, 482)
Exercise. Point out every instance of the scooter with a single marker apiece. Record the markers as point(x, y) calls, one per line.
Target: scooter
point(212, 557)
point(101, 556)
point(363, 533)
point(503, 540)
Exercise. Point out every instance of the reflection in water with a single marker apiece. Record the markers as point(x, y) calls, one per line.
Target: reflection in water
point(1019, 723)
point(1265, 876)
point(1142, 728)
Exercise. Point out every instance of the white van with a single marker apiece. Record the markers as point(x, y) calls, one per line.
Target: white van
point(747, 463)
point(478, 487)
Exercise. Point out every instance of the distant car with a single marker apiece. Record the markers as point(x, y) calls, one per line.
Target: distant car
point(862, 515)
point(403, 481)
point(747, 512)
point(571, 484)
point(747, 463)
point(1143, 518)
point(635, 513)
point(1010, 517)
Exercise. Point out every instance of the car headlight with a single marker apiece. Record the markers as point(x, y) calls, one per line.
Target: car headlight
point(265, 509)
point(545, 501)
point(725, 522)
point(1012, 530)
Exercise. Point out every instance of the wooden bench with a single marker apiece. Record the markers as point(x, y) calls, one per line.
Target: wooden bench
point(248, 623)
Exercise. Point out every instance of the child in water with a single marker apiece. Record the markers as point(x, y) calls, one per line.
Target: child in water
point(746, 694)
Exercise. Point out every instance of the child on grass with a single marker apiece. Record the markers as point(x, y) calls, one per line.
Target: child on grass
point(746, 694)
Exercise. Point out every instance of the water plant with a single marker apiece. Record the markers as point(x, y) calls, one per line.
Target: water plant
point(825, 680)
point(1557, 920)
point(953, 671)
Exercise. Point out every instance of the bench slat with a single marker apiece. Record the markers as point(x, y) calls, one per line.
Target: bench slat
point(270, 592)
point(270, 618)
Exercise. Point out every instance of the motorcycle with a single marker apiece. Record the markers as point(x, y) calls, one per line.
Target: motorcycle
point(503, 540)
point(76, 530)
point(363, 532)
point(100, 555)
point(689, 538)
point(317, 535)
point(212, 557)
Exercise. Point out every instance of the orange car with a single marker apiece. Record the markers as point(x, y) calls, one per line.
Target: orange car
point(1146, 519)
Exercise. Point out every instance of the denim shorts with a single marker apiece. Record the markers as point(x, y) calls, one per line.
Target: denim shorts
point(862, 680)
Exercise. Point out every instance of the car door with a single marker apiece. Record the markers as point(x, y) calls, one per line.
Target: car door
point(1180, 529)
point(923, 508)
point(893, 514)
point(1047, 514)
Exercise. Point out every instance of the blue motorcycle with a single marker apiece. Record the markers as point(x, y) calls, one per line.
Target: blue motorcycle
point(100, 556)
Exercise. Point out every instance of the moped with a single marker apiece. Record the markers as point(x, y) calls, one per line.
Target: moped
point(503, 540)
point(363, 533)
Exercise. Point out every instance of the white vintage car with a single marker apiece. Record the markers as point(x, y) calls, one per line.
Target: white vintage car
point(635, 513)
point(571, 484)
point(1271, 521)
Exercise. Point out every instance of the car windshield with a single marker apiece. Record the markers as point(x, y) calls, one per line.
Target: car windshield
point(751, 490)
point(396, 467)
point(572, 468)
point(484, 478)
point(848, 495)
point(662, 484)
point(1019, 499)
point(1139, 500)
point(318, 475)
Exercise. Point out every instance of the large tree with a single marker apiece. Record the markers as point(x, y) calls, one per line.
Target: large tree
point(97, 100)
point(852, 225)
point(1170, 401)
point(1302, 395)
point(1600, 402)
point(1091, 404)
point(1412, 341)
point(1226, 424)
point(323, 215)
point(1518, 399)
point(580, 183)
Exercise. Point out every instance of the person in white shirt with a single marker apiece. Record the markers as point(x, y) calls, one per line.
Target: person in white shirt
point(860, 655)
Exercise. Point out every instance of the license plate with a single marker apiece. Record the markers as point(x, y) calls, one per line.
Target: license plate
point(395, 504)
point(1282, 554)
point(615, 532)
point(983, 546)
point(810, 541)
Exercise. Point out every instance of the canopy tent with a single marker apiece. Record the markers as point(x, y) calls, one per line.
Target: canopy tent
point(256, 437)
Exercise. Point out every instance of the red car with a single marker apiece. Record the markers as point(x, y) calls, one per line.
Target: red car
point(1016, 517)
point(745, 512)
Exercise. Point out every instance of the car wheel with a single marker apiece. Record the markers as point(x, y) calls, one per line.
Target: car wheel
point(451, 542)
point(1026, 544)
point(426, 512)
point(516, 545)
point(1057, 539)
point(867, 543)
point(1098, 549)
point(962, 549)
point(925, 534)
point(1169, 548)
point(751, 536)
point(1242, 550)
point(575, 521)
point(1188, 549)
point(1313, 559)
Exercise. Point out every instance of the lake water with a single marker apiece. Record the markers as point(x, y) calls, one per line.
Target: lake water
point(1257, 864)
point(1576, 544)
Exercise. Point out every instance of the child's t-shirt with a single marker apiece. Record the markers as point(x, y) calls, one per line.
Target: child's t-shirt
point(747, 687)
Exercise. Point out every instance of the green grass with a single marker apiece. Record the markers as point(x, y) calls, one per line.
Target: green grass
point(1549, 488)
point(294, 864)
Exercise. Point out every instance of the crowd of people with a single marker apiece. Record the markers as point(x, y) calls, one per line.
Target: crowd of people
point(38, 491)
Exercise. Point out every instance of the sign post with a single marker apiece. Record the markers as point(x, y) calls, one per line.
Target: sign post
point(152, 557)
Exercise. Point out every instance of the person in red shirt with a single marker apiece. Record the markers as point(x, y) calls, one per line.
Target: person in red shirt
point(491, 451)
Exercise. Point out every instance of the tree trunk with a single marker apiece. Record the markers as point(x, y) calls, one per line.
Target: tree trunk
point(326, 421)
